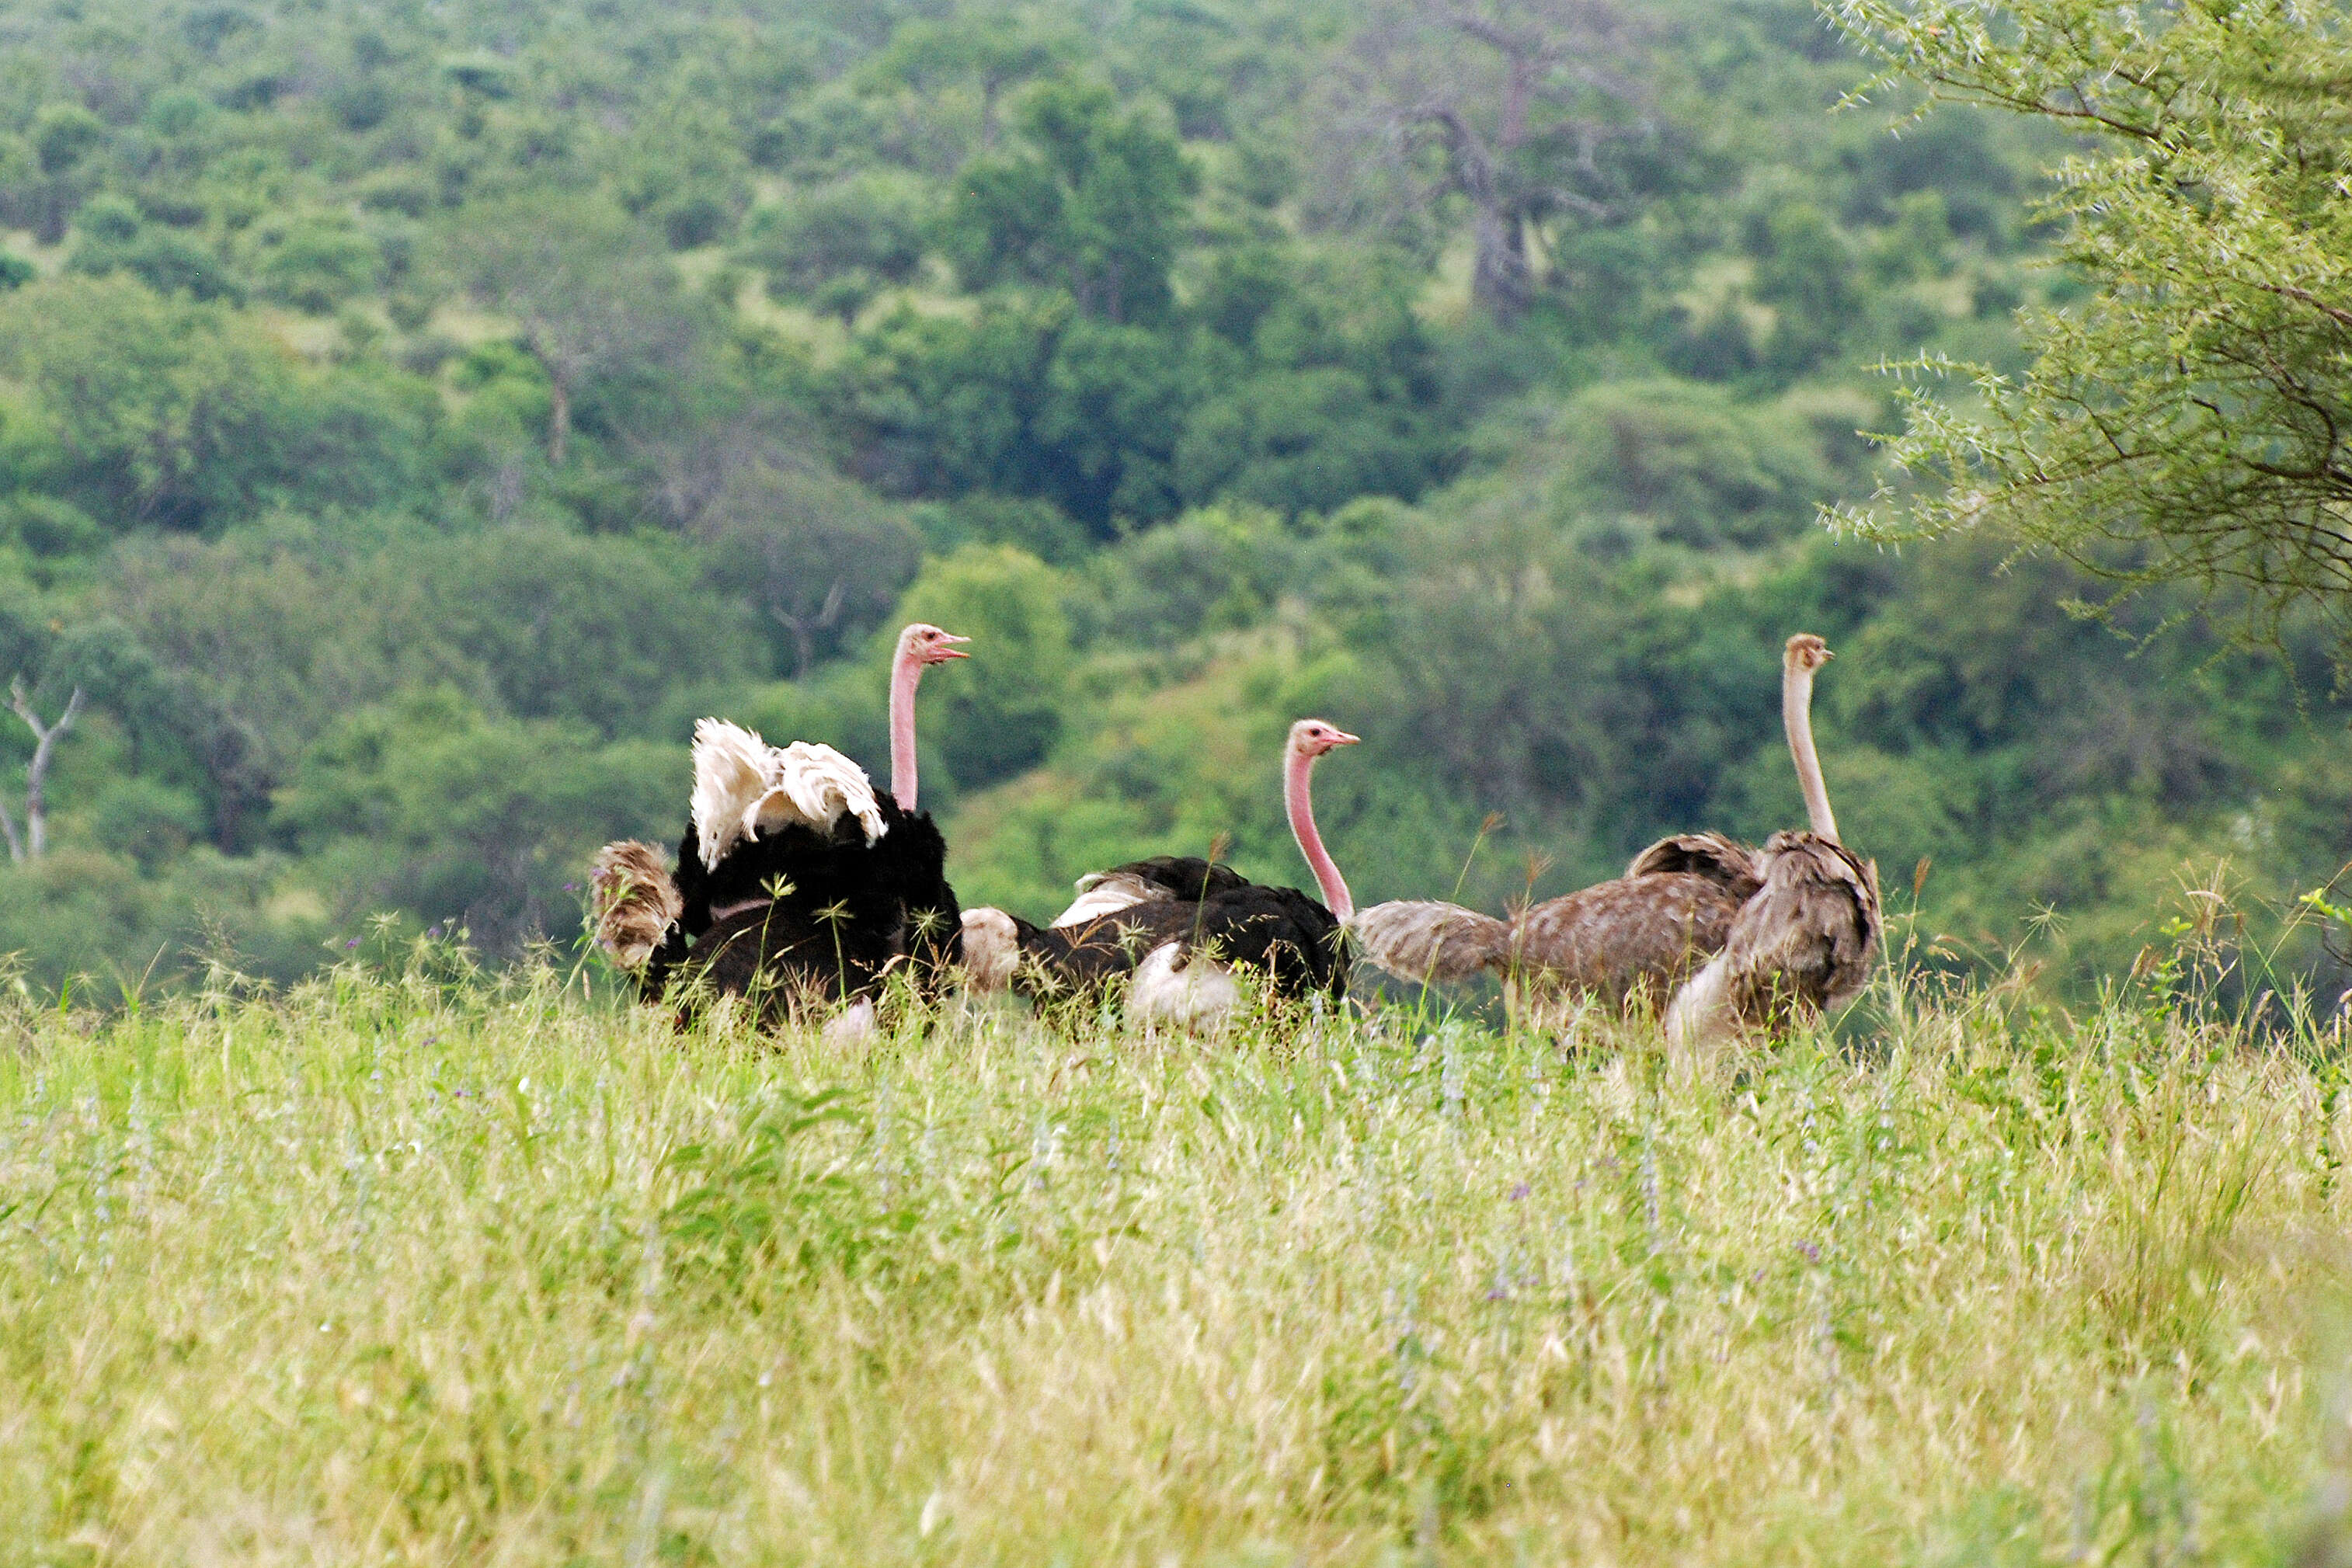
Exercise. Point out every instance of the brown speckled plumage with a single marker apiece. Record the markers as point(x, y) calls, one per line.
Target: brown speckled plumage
point(634, 899)
point(1805, 944)
point(1794, 925)
point(1725, 861)
point(1637, 935)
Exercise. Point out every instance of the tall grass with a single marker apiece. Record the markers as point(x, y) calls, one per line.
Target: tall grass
point(417, 1268)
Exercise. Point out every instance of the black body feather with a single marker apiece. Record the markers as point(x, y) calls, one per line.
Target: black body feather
point(835, 917)
point(1277, 932)
point(1185, 877)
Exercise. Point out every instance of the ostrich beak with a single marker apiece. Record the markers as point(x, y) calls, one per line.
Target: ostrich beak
point(950, 653)
point(1344, 738)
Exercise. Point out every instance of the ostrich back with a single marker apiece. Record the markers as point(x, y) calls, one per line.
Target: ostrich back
point(1635, 935)
point(910, 863)
point(1804, 944)
point(1726, 861)
point(1427, 940)
point(1278, 932)
point(1184, 879)
point(1639, 934)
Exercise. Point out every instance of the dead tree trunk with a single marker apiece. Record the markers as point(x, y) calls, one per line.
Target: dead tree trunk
point(1500, 281)
point(559, 421)
point(804, 628)
point(35, 839)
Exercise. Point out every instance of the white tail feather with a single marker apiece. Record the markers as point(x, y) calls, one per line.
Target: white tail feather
point(1701, 1011)
point(1186, 990)
point(992, 948)
point(742, 785)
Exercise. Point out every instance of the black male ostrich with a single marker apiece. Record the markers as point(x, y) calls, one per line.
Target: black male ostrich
point(795, 884)
point(1182, 928)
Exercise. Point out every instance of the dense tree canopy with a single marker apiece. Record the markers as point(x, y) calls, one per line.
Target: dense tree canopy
point(412, 419)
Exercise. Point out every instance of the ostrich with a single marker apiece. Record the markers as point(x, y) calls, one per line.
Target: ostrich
point(1640, 935)
point(1634, 936)
point(1181, 926)
point(1806, 941)
point(793, 880)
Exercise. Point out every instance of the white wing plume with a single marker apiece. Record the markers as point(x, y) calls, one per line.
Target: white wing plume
point(1102, 892)
point(742, 785)
point(729, 774)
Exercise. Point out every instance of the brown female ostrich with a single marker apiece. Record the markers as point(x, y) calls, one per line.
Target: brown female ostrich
point(1640, 934)
point(1634, 935)
point(1181, 927)
point(793, 882)
point(1806, 941)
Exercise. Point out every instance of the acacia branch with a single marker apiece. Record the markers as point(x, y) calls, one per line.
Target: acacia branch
point(2335, 313)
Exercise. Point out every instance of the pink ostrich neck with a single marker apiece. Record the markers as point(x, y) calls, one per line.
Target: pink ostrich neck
point(1796, 717)
point(1298, 769)
point(906, 673)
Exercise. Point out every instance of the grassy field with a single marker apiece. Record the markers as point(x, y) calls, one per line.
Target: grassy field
point(415, 1271)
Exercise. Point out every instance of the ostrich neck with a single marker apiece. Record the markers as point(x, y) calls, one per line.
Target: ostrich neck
point(1796, 713)
point(1297, 796)
point(905, 675)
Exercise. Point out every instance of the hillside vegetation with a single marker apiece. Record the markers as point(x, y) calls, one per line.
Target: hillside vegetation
point(413, 417)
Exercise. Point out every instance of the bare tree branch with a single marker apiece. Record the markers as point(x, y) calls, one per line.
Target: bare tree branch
point(37, 772)
point(1501, 104)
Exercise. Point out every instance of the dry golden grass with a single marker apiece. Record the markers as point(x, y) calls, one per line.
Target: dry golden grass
point(393, 1271)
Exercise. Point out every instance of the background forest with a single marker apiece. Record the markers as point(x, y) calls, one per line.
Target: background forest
point(412, 416)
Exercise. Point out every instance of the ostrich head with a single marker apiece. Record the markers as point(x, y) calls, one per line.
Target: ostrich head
point(1806, 653)
point(1310, 739)
point(923, 643)
point(1313, 738)
point(920, 645)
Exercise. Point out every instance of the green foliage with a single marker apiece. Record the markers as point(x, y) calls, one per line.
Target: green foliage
point(821, 559)
point(1805, 272)
point(429, 804)
point(382, 391)
point(1092, 208)
point(1690, 465)
point(114, 237)
point(595, 301)
point(181, 415)
point(1327, 395)
point(316, 265)
point(836, 247)
point(2183, 422)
